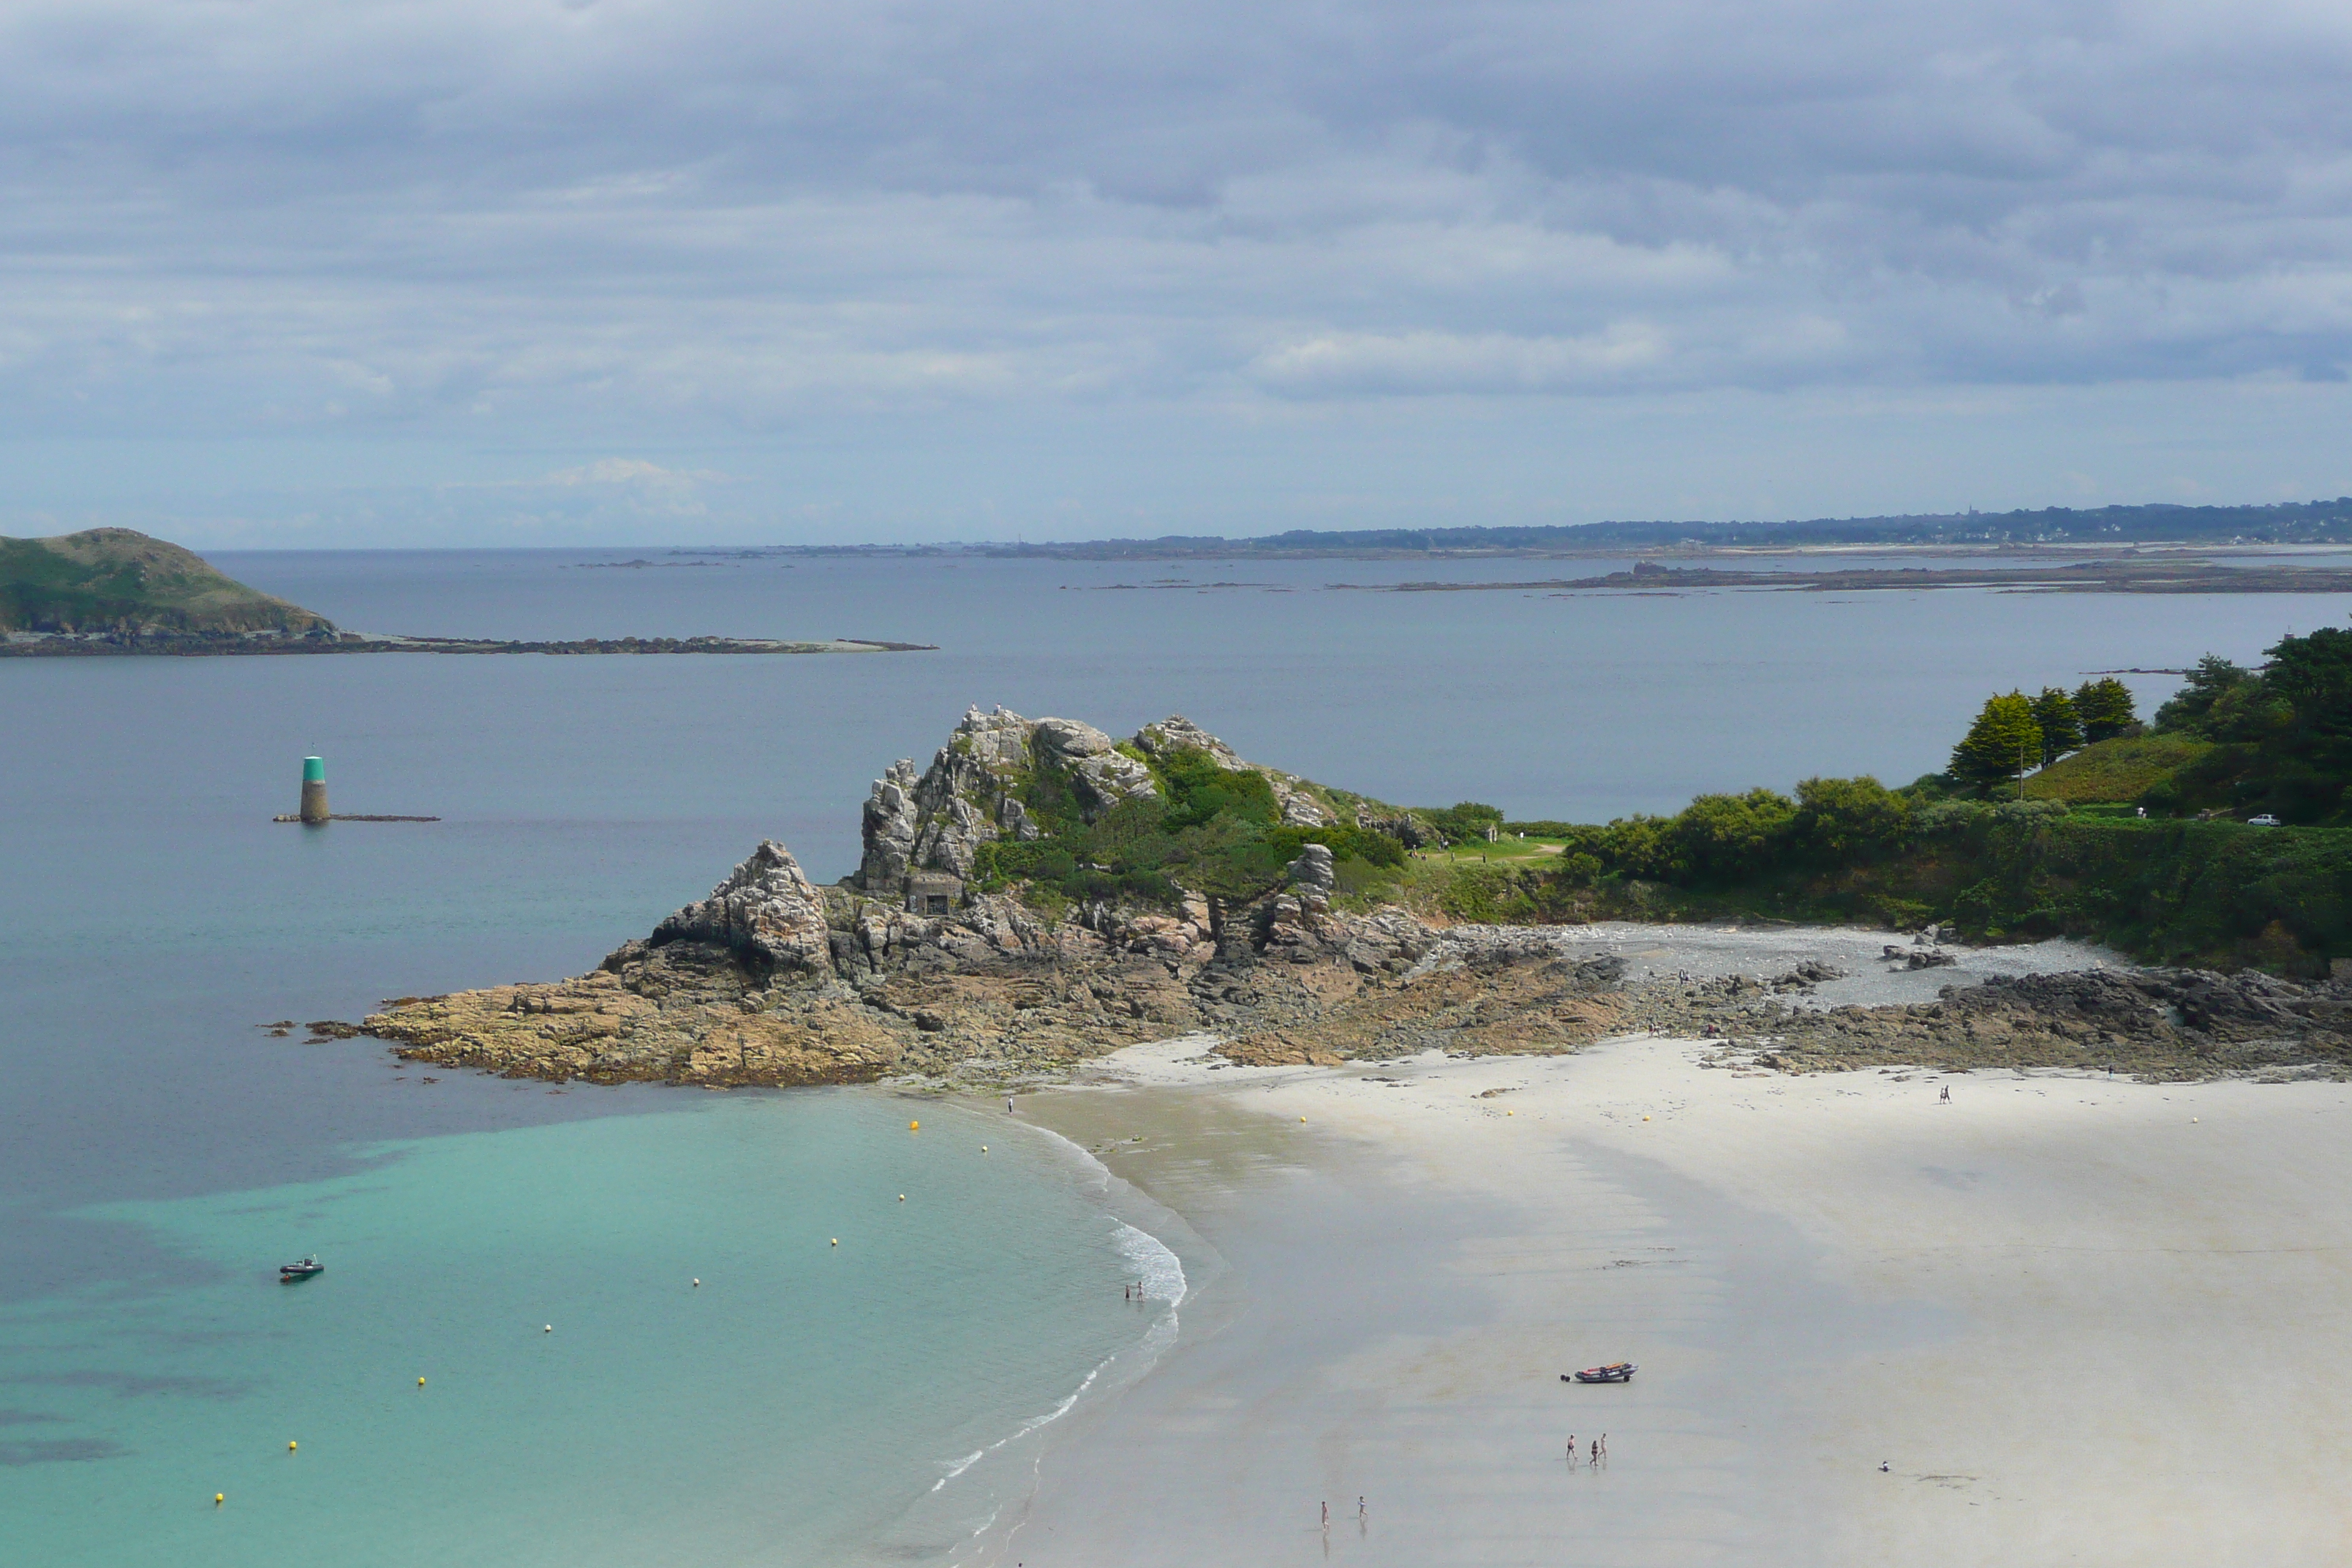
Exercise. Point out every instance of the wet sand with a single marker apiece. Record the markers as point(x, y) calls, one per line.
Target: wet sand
point(2077, 1325)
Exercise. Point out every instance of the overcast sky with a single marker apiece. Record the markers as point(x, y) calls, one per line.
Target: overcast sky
point(523, 271)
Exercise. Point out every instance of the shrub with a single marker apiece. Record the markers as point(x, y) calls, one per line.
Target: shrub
point(1721, 838)
point(1847, 820)
point(1463, 821)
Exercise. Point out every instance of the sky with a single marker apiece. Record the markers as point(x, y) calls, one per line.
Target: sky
point(517, 272)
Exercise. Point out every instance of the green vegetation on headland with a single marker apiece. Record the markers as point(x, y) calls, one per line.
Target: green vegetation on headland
point(1204, 828)
point(2062, 814)
point(116, 581)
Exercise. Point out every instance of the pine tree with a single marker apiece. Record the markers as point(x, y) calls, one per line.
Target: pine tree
point(2106, 707)
point(2061, 725)
point(2000, 745)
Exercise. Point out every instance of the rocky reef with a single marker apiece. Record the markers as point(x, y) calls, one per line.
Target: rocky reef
point(2156, 1024)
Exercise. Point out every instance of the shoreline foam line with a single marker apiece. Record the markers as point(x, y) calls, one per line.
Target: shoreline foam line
point(1162, 1272)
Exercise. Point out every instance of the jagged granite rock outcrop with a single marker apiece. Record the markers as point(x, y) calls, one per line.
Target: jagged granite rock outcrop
point(775, 980)
point(767, 910)
point(971, 792)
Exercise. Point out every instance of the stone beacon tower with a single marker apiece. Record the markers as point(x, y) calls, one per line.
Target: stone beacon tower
point(314, 791)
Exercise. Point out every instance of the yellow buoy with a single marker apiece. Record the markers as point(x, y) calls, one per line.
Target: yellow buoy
point(289, 1447)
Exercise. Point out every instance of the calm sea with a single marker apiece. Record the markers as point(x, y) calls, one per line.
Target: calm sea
point(160, 1154)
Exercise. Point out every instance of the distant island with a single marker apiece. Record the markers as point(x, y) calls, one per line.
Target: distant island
point(2126, 574)
point(114, 591)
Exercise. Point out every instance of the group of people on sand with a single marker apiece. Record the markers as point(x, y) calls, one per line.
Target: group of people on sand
point(1597, 1451)
point(1363, 1515)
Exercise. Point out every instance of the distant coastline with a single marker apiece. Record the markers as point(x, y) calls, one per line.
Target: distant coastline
point(2047, 528)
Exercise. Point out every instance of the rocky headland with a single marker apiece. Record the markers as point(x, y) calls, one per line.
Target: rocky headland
point(963, 948)
point(114, 592)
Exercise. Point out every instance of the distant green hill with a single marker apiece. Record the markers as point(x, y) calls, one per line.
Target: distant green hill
point(117, 580)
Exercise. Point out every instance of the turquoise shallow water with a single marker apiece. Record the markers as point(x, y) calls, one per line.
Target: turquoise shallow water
point(788, 1411)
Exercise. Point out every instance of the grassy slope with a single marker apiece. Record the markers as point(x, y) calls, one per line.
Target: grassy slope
point(2117, 770)
point(114, 579)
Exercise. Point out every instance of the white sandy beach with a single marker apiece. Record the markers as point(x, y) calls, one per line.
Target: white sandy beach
point(2080, 1320)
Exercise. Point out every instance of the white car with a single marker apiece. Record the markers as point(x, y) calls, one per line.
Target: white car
point(2264, 820)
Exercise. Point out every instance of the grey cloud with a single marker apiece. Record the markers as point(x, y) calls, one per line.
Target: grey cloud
point(497, 215)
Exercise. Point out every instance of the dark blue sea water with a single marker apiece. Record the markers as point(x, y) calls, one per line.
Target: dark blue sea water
point(159, 1153)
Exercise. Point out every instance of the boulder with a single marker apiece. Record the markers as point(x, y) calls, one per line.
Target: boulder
point(766, 910)
point(1312, 878)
